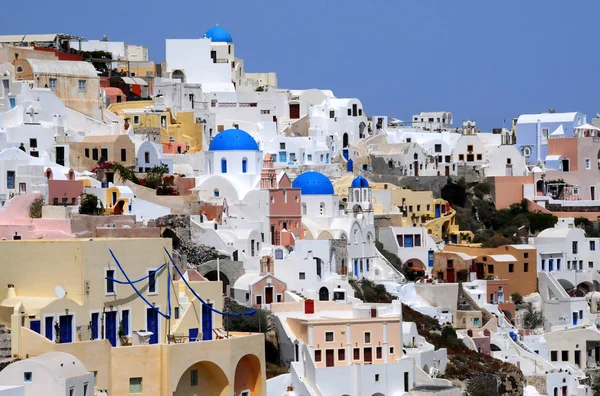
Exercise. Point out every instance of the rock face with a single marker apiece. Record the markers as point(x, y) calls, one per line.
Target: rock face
point(177, 227)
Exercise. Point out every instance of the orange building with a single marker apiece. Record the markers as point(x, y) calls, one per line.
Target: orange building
point(516, 263)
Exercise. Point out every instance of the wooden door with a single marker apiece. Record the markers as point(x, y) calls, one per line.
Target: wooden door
point(268, 295)
point(329, 361)
point(368, 355)
point(416, 166)
point(450, 272)
point(294, 111)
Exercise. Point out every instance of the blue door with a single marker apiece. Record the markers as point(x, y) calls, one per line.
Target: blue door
point(551, 265)
point(408, 241)
point(152, 324)
point(454, 239)
point(430, 258)
point(111, 327)
point(437, 211)
point(94, 325)
point(35, 325)
point(223, 165)
point(49, 327)
point(66, 328)
point(244, 165)
point(13, 102)
point(283, 156)
point(206, 323)
point(355, 267)
point(345, 154)
point(350, 166)
point(193, 334)
point(575, 317)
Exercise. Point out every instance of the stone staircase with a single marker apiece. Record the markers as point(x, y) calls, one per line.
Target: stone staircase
point(4, 342)
point(299, 294)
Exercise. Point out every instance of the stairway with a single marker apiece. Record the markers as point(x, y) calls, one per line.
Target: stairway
point(298, 294)
point(5, 352)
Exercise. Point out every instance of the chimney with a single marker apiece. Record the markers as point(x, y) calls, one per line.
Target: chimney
point(11, 293)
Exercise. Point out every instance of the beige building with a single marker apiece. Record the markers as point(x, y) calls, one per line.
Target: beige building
point(75, 83)
point(85, 154)
point(65, 296)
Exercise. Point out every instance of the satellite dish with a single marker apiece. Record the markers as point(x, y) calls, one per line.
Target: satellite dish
point(60, 292)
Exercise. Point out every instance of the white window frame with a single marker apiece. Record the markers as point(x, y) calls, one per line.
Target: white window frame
point(106, 292)
point(53, 316)
point(262, 299)
point(52, 82)
point(82, 85)
point(588, 163)
point(370, 337)
point(98, 324)
point(332, 334)
point(155, 292)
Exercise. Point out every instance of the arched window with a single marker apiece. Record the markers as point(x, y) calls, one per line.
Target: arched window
point(19, 69)
point(356, 196)
point(216, 192)
point(223, 165)
point(209, 167)
point(416, 156)
point(244, 165)
point(304, 208)
point(322, 208)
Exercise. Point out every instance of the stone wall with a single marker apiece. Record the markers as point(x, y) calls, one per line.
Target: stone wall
point(538, 382)
point(466, 303)
point(382, 221)
point(339, 248)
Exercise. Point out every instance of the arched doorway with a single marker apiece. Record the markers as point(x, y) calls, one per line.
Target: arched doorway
point(323, 294)
point(361, 130)
point(178, 75)
point(119, 207)
point(345, 146)
point(203, 378)
point(248, 376)
point(212, 276)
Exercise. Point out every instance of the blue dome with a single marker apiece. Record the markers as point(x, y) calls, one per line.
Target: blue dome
point(313, 183)
point(219, 35)
point(360, 182)
point(233, 139)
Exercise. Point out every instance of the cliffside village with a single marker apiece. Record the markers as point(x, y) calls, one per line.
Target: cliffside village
point(191, 228)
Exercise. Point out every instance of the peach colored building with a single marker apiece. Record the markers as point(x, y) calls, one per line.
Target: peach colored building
point(450, 266)
point(498, 292)
point(84, 155)
point(516, 263)
point(285, 211)
point(259, 289)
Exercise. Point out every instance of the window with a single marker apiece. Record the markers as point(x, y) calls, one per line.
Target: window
point(341, 354)
point(554, 356)
point(418, 208)
point(331, 113)
point(87, 153)
point(511, 267)
point(565, 356)
point(85, 388)
point(52, 84)
point(545, 133)
point(19, 69)
point(438, 148)
point(193, 377)
point(470, 147)
point(223, 165)
point(588, 163)
point(376, 377)
point(544, 264)
point(176, 314)
point(136, 119)
point(302, 276)
point(216, 192)
point(367, 338)
point(110, 284)
point(461, 157)
point(379, 353)
point(123, 155)
point(592, 245)
point(479, 157)
point(10, 180)
point(525, 267)
point(244, 165)
point(95, 154)
point(27, 376)
point(574, 245)
point(135, 385)
point(525, 255)
point(580, 314)
point(309, 157)
point(82, 85)
point(33, 143)
point(259, 300)
point(349, 112)
point(490, 268)
point(152, 281)
point(470, 158)
point(406, 381)
point(356, 353)
point(391, 350)
point(318, 355)
point(281, 146)
point(590, 264)
point(329, 336)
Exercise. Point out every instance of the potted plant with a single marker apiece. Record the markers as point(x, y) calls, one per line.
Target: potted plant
point(122, 335)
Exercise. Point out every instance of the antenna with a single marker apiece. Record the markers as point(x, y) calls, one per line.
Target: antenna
point(60, 292)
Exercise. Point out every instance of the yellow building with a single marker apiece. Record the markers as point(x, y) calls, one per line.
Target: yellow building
point(184, 129)
point(409, 208)
point(65, 295)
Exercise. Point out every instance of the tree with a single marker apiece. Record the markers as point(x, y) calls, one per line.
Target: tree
point(532, 319)
point(517, 299)
point(35, 208)
point(91, 205)
point(596, 385)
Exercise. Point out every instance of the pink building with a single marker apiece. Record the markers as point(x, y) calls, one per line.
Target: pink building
point(174, 148)
point(285, 210)
point(63, 189)
point(15, 222)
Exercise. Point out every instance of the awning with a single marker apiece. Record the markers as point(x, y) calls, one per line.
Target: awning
point(139, 81)
point(588, 126)
point(129, 81)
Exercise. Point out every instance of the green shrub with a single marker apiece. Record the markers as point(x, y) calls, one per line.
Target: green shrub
point(89, 205)
point(516, 298)
point(35, 208)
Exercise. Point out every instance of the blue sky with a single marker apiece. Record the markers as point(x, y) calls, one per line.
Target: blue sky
point(480, 59)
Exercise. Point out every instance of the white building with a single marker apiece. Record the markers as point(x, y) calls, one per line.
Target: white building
point(51, 373)
point(433, 121)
